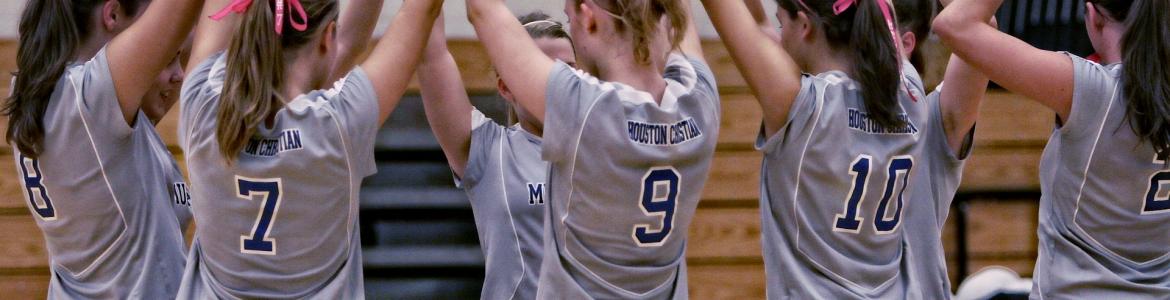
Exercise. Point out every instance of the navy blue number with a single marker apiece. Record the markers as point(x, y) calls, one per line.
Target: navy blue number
point(899, 167)
point(269, 189)
point(1154, 205)
point(31, 169)
point(659, 195)
point(849, 221)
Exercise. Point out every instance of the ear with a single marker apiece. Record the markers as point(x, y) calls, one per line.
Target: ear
point(328, 37)
point(804, 25)
point(1093, 16)
point(110, 15)
point(587, 17)
point(909, 42)
point(504, 91)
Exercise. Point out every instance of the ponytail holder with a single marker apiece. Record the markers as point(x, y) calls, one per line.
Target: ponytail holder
point(241, 6)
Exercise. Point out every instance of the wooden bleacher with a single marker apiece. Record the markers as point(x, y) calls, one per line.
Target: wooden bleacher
point(724, 248)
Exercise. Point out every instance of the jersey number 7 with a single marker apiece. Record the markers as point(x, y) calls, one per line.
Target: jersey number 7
point(269, 191)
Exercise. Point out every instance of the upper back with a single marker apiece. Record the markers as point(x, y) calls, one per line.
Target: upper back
point(627, 172)
point(281, 219)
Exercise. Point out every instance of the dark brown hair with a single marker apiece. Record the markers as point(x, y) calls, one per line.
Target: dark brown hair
point(916, 16)
point(50, 33)
point(1145, 79)
point(874, 55)
point(255, 70)
point(641, 19)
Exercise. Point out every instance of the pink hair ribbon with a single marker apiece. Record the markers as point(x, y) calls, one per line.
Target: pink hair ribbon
point(240, 6)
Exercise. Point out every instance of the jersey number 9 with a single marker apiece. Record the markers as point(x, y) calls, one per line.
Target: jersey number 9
point(659, 195)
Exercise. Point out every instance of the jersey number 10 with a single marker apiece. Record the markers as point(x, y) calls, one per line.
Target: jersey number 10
point(849, 221)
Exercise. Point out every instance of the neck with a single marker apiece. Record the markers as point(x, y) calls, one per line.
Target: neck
point(833, 62)
point(531, 127)
point(89, 48)
point(298, 80)
point(626, 70)
point(1111, 51)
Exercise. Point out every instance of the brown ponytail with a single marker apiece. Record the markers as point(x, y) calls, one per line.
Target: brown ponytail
point(642, 18)
point(50, 33)
point(255, 70)
point(874, 55)
point(1145, 76)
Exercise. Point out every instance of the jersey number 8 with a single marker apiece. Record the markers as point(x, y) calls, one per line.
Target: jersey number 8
point(34, 186)
point(659, 199)
point(849, 221)
point(269, 190)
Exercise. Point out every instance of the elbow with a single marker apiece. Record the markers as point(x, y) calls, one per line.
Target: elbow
point(945, 26)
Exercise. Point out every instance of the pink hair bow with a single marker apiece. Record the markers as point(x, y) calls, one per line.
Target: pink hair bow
point(240, 6)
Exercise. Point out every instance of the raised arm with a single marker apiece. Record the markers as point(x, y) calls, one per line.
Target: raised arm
point(691, 44)
point(164, 27)
point(961, 97)
point(524, 68)
point(772, 74)
point(211, 36)
point(393, 61)
point(354, 31)
point(1044, 76)
point(445, 100)
point(761, 17)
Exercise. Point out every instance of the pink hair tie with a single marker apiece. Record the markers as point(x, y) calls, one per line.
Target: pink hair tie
point(241, 6)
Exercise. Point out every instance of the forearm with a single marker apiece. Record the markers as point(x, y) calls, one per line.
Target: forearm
point(523, 67)
point(354, 30)
point(392, 63)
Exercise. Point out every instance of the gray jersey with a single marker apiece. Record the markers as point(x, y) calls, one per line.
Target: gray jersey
point(839, 191)
point(105, 194)
point(281, 221)
point(626, 174)
point(1104, 213)
point(505, 180)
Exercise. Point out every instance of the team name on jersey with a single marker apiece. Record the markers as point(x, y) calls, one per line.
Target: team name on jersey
point(535, 193)
point(268, 147)
point(663, 134)
point(180, 195)
point(860, 121)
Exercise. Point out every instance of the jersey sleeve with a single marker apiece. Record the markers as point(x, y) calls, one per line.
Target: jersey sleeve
point(201, 88)
point(1093, 88)
point(485, 139)
point(354, 99)
point(696, 76)
point(800, 116)
point(99, 98)
point(570, 95)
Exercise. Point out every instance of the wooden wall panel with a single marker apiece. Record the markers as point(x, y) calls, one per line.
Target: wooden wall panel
point(740, 123)
point(725, 234)
point(735, 176)
point(737, 281)
point(11, 196)
point(22, 245)
point(1011, 169)
point(25, 286)
point(1008, 119)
